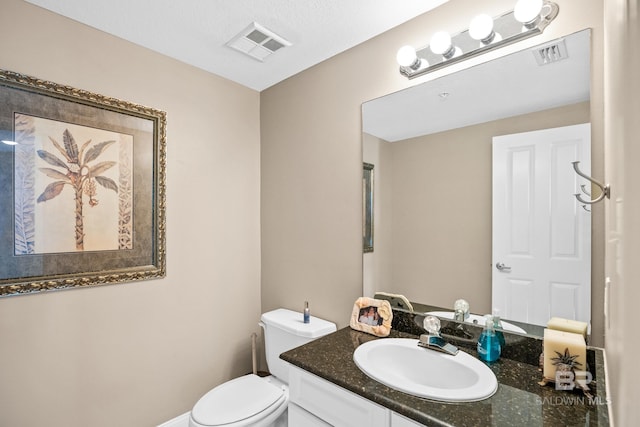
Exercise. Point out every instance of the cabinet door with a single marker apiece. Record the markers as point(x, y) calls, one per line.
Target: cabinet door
point(401, 421)
point(333, 404)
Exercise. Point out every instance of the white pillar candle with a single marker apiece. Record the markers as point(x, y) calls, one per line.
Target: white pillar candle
point(557, 342)
point(567, 325)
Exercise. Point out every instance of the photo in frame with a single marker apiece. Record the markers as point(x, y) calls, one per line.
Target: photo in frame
point(82, 188)
point(372, 316)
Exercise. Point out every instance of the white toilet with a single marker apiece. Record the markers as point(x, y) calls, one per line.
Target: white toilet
point(254, 401)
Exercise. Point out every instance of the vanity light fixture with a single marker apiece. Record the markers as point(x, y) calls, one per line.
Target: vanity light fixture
point(529, 18)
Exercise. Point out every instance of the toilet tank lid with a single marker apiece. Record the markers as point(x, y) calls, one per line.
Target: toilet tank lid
point(293, 322)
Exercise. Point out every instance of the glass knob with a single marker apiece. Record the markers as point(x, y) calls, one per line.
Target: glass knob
point(461, 305)
point(432, 325)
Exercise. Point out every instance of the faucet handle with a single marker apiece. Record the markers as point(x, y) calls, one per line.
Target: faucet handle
point(432, 325)
point(461, 305)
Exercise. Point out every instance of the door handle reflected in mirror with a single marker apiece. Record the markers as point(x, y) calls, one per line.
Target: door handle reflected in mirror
point(504, 268)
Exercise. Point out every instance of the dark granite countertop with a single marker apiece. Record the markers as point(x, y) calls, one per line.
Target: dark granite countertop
point(519, 401)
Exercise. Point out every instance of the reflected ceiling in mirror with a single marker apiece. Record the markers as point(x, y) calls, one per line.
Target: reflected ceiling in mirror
point(509, 86)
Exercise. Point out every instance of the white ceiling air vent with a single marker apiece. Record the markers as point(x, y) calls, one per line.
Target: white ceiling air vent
point(550, 53)
point(257, 42)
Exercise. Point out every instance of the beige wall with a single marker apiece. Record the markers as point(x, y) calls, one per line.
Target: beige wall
point(311, 154)
point(139, 354)
point(441, 188)
point(622, 111)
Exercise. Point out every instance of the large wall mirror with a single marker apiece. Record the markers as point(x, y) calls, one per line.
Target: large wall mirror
point(434, 149)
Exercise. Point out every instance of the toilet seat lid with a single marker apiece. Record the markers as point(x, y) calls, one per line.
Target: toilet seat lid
point(236, 400)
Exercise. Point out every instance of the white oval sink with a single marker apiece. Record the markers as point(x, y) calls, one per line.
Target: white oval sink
point(478, 320)
point(401, 364)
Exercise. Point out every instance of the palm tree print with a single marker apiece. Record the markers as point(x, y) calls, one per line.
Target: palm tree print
point(77, 169)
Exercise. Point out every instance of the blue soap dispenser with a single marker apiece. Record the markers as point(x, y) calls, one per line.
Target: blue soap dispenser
point(488, 344)
point(497, 327)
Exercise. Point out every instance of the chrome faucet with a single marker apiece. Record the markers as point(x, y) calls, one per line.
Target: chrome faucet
point(460, 310)
point(432, 340)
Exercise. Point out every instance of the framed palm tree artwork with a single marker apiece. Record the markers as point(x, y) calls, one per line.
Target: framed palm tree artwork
point(82, 188)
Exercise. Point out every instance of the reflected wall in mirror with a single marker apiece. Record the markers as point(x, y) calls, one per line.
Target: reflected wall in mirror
point(431, 146)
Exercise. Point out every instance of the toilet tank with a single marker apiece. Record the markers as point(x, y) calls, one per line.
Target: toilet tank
point(283, 330)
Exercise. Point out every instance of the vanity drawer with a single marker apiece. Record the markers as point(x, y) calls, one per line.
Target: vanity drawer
point(333, 404)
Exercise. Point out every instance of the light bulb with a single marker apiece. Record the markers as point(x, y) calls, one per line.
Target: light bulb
point(406, 56)
point(527, 11)
point(481, 28)
point(440, 43)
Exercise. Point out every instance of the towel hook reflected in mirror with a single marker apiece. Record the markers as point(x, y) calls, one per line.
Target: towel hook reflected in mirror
point(604, 189)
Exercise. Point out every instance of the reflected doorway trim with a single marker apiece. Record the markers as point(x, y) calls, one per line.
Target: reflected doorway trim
point(367, 207)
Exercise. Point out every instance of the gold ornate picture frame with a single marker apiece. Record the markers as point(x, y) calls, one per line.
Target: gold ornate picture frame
point(372, 316)
point(82, 188)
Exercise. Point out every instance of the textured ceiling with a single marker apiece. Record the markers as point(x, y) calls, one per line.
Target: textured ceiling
point(195, 31)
